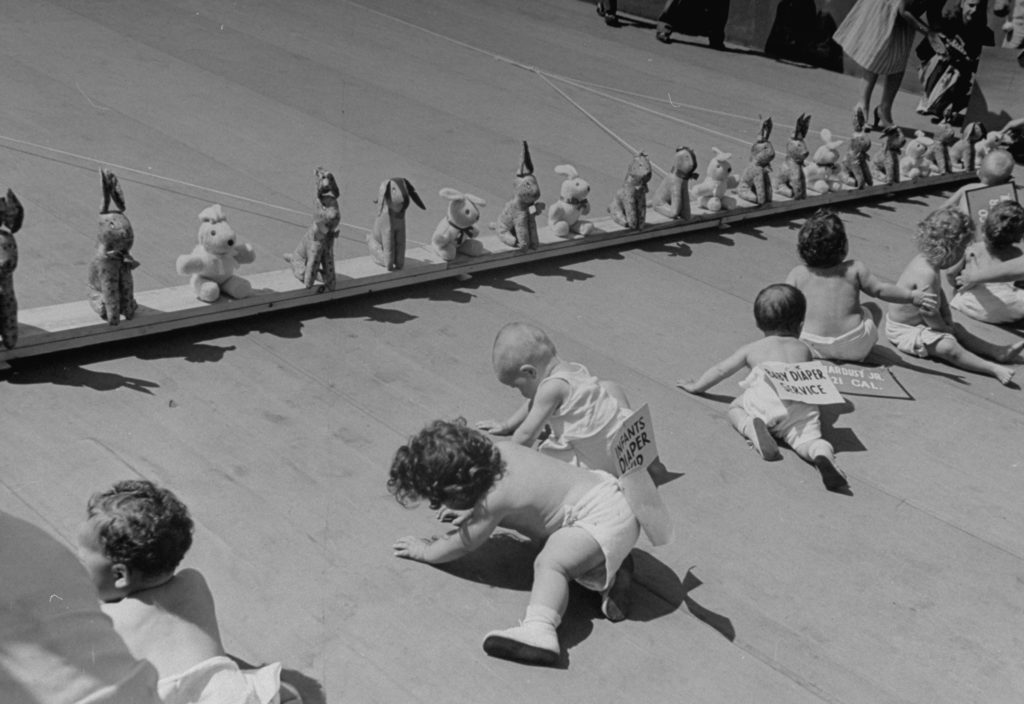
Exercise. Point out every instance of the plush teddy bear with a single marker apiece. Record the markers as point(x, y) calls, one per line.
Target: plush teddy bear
point(886, 162)
point(962, 154)
point(111, 285)
point(856, 164)
point(944, 138)
point(565, 216)
point(213, 262)
point(672, 197)
point(314, 255)
point(457, 232)
point(629, 207)
point(517, 223)
point(755, 184)
point(711, 192)
point(11, 216)
point(824, 173)
point(386, 239)
point(793, 180)
point(914, 162)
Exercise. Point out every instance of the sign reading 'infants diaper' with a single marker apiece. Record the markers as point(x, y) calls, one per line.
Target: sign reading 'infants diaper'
point(807, 381)
point(634, 446)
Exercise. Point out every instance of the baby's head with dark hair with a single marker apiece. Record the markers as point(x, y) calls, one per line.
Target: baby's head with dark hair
point(780, 309)
point(943, 236)
point(447, 463)
point(1004, 225)
point(822, 240)
point(142, 526)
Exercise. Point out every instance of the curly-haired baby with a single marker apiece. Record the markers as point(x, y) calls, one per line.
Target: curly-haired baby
point(837, 326)
point(942, 238)
point(131, 543)
point(989, 269)
point(580, 516)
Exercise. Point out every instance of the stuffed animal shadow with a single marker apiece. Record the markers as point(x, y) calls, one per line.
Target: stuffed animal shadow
point(457, 232)
point(756, 180)
point(313, 258)
point(793, 180)
point(629, 206)
point(517, 223)
point(111, 284)
point(386, 239)
point(565, 216)
point(12, 214)
point(672, 197)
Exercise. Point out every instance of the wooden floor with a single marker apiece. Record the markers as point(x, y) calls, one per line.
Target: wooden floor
point(278, 431)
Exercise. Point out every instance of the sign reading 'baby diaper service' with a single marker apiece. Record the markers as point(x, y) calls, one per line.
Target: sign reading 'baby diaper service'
point(809, 382)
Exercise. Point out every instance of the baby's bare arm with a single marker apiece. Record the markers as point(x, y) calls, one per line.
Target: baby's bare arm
point(508, 426)
point(719, 372)
point(878, 287)
point(993, 271)
point(550, 395)
point(473, 533)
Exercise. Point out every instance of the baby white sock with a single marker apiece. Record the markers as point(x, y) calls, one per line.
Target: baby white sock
point(540, 616)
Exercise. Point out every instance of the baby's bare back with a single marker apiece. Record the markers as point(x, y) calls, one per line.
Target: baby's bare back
point(833, 298)
point(777, 348)
point(535, 488)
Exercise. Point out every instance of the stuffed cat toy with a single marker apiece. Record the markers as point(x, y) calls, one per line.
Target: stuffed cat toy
point(756, 181)
point(629, 206)
point(218, 254)
point(111, 285)
point(386, 239)
point(11, 217)
point(457, 232)
point(565, 216)
point(672, 198)
point(314, 256)
point(711, 192)
point(857, 165)
point(517, 223)
point(792, 180)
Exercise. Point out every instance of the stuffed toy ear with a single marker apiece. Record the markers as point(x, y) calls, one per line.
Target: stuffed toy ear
point(11, 212)
point(413, 195)
point(803, 123)
point(475, 200)
point(213, 214)
point(526, 167)
point(566, 170)
point(860, 120)
point(450, 194)
point(383, 195)
point(766, 129)
point(111, 192)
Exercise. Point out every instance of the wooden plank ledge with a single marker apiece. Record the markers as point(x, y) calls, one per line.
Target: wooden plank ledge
point(75, 325)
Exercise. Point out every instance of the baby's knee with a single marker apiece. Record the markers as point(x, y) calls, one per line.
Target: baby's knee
point(946, 348)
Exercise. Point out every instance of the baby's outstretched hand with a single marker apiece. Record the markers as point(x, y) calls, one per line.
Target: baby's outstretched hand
point(456, 518)
point(494, 427)
point(925, 300)
point(687, 385)
point(411, 548)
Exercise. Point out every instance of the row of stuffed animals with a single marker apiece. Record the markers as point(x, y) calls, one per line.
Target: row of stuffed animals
point(219, 251)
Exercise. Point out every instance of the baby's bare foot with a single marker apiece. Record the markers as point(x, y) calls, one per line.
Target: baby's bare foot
point(1004, 374)
point(1011, 353)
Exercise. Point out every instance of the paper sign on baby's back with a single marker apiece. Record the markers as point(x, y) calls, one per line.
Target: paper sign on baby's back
point(635, 451)
point(981, 200)
point(807, 381)
point(858, 380)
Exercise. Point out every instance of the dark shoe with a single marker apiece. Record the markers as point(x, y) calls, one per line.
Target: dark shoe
point(763, 442)
point(663, 37)
point(612, 20)
point(717, 43)
point(600, 9)
point(877, 124)
point(831, 477)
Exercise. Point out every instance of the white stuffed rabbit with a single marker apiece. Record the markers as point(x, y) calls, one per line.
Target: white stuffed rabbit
point(565, 216)
point(457, 231)
point(824, 173)
point(710, 193)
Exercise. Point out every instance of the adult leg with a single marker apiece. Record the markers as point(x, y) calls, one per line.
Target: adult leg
point(890, 87)
point(867, 88)
point(664, 30)
point(567, 554)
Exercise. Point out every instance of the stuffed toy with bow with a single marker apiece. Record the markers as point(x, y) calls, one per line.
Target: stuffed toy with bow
point(457, 231)
point(914, 163)
point(824, 173)
point(386, 239)
point(111, 285)
point(517, 223)
point(711, 192)
point(565, 216)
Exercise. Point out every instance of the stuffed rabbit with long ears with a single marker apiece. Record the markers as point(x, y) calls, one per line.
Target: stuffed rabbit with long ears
point(792, 180)
point(565, 216)
point(314, 256)
point(756, 181)
point(11, 217)
point(944, 138)
point(857, 164)
point(824, 173)
point(517, 223)
point(629, 206)
point(672, 197)
point(111, 285)
point(386, 239)
point(457, 232)
point(710, 193)
point(886, 161)
point(962, 153)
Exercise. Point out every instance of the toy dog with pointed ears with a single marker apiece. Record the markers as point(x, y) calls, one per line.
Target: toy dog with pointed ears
point(387, 238)
point(672, 198)
point(314, 255)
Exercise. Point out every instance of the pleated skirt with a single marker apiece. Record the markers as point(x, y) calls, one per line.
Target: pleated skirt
point(875, 36)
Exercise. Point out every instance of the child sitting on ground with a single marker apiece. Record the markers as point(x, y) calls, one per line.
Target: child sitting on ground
point(583, 413)
point(837, 326)
point(989, 269)
point(131, 543)
point(942, 238)
point(996, 168)
point(580, 516)
point(758, 413)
